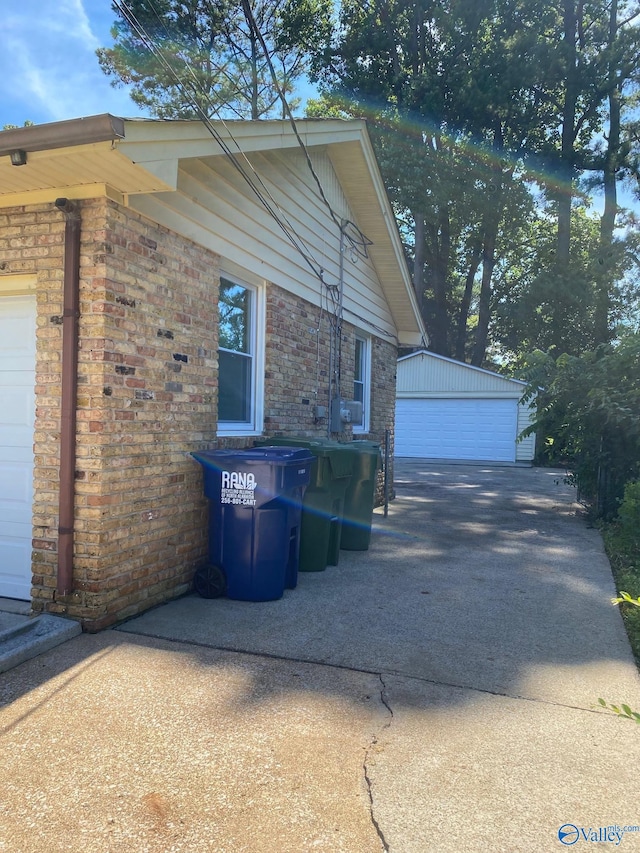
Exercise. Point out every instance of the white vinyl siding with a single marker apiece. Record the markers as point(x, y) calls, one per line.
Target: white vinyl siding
point(215, 207)
point(526, 447)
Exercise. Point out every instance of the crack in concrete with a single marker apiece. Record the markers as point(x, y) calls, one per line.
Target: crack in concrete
point(393, 673)
point(367, 778)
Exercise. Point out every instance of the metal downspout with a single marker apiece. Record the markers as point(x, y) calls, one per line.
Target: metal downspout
point(70, 315)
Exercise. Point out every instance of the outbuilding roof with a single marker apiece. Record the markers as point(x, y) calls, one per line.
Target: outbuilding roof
point(423, 372)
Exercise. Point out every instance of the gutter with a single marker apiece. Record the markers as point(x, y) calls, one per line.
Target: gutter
point(70, 315)
point(62, 134)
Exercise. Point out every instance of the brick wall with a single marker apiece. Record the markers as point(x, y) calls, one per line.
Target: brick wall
point(297, 373)
point(146, 396)
point(382, 402)
point(296, 365)
point(32, 241)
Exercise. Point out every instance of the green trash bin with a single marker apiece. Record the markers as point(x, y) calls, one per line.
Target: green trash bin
point(323, 503)
point(360, 495)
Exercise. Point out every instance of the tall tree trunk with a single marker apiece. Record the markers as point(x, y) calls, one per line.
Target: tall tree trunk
point(492, 217)
point(565, 172)
point(439, 269)
point(484, 305)
point(465, 305)
point(253, 40)
point(602, 329)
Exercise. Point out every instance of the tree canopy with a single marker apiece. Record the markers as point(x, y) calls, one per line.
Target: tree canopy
point(492, 122)
point(188, 58)
point(487, 116)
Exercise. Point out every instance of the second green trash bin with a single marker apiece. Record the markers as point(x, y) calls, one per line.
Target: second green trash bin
point(360, 495)
point(323, 503)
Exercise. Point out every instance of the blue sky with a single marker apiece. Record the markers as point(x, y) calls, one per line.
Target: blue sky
point(48, 66)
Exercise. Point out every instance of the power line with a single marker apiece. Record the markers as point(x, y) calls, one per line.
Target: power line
point(360, 244)
point(192, 97)
point(193, 92)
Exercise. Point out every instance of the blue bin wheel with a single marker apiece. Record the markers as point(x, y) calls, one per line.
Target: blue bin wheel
point(210, 581)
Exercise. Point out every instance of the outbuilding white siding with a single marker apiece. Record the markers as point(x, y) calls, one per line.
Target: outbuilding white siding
point(449, 410)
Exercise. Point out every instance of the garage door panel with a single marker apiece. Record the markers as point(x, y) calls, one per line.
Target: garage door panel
point(15, 553)
point(472, 429)
point(17, 333)
point(16, 489)
point(17, 413)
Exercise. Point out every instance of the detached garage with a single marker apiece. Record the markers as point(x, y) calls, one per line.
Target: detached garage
point(446, 409)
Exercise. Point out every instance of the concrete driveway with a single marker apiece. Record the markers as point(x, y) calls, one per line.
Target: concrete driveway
point(435, 693)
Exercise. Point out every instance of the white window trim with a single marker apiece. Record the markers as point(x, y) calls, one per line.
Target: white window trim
point(229, 428)
point(359, 429)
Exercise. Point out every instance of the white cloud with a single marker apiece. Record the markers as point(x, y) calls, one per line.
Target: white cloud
point(48, 67)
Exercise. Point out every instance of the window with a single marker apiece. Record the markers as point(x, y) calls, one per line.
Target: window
point(238, 409)
point(361, 381)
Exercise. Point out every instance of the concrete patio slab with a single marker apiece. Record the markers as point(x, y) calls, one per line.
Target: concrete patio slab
point(482, 578)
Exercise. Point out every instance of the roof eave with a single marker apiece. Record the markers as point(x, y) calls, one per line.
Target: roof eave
point(62, 134)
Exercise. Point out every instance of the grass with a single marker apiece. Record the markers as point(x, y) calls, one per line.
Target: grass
point(623, 549)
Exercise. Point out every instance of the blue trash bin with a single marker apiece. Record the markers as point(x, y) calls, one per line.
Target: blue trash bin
point(255, 504)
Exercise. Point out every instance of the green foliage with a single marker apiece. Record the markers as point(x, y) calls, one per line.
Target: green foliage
point(213, 62)
point(539, 305)
point(632, 625)
point(27, 123)
point(622, 542)
point(471, 105)
point(625, 598)
point(621, 710)
point(449, 94)
point(589, 406)
point(629, 513)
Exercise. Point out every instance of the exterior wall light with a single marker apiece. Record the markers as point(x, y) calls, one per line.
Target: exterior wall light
point(18, 158)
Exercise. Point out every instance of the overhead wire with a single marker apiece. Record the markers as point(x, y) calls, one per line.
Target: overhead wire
point(362, 242)
point(192, 94)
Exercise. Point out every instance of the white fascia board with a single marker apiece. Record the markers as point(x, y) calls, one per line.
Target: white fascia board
point(421, 337)
point(183, 140)
point(457, 395)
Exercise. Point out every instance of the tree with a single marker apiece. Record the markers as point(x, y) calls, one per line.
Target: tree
point(589, 417)
point(595, 59)
point(458, 95)
point(486, 96)
point(27, 123)
point(186, 58)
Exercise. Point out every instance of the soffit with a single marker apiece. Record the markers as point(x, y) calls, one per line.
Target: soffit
point(78, 167)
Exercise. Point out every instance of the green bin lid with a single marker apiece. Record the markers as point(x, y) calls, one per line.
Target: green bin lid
point(338, 455)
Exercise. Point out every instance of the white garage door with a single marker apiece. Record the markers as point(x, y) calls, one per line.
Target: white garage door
point(457, 429)
point(17, 407)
